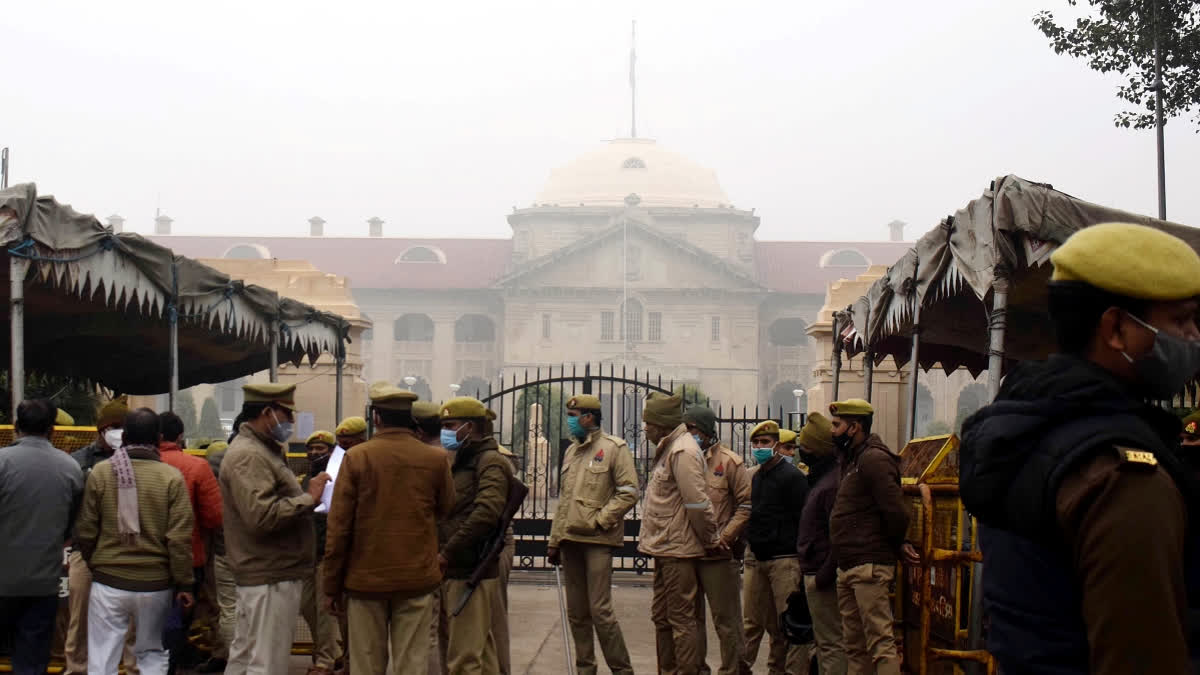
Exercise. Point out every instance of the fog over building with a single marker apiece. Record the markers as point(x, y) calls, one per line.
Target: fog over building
point(632, 254)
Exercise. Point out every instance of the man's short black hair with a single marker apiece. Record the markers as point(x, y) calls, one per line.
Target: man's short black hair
point(172, 426)
point(1075, 311)
point(142, 427)
point(393, 418)
point(863, 421)
point(430, 426)
point(36, 416)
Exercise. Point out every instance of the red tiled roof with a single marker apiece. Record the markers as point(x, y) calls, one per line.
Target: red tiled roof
point(795, 266)
point(370, 262)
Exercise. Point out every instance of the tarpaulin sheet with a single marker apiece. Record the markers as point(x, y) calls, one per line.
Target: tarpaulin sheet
point(97, 305)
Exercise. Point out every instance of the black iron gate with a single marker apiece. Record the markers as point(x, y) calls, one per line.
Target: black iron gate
point(531, 422)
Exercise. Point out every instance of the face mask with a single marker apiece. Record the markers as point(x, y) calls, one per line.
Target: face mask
point(282, 430)
point(843, 442)
point(763, 455)
point(450, 439)
point(318, 464)
point(699, 441)
point(1163, 371)
point(575, 427)
point(113, 437)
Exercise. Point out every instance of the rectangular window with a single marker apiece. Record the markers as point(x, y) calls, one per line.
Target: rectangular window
point(606, 326)
point(545, 326)
point(716, 329)
point(655, 326)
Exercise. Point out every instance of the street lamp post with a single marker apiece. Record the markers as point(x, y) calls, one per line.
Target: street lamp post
point(454, 389)
point(799, 394)
point(410, 381)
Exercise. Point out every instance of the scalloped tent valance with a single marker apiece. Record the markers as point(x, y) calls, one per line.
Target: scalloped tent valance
point(98, 305)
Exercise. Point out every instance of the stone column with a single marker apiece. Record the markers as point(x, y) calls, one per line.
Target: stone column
point(443, 356)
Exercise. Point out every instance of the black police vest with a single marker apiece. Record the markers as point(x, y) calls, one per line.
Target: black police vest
point(1030, 590)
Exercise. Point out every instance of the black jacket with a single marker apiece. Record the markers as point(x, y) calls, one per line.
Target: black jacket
point(777, 496)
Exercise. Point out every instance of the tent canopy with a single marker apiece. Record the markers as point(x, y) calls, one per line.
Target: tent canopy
point(1006, 234)
point(98, 305)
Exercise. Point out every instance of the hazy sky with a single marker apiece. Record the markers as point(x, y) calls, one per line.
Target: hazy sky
point(830, 119)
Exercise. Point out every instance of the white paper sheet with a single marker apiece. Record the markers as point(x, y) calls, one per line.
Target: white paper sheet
point(335, 463)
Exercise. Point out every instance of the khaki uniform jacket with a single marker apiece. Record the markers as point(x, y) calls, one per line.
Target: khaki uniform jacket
point(268, 519)
point(598, 486)
point(481, 482)
point(677, 515)
point(382, 527)
point(729, 490)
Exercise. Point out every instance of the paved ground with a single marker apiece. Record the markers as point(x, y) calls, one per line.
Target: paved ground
point(537, 643)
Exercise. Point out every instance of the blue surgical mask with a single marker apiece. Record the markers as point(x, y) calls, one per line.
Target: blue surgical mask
point(699, 441)
point(575, 427)
point(763, 455)
point(450, 439)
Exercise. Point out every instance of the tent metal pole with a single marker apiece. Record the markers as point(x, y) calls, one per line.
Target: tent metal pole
point(915, 369)
point(17, 269)
point(273, 371)
point(340, 358)
point(173, 342)
point(868, 361)
point(837, 356)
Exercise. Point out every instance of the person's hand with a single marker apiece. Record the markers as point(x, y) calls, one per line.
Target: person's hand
point(910, 554)
point(185, 599)
point(719, 548)
point(333, 605)
point(553, 556)
point(316, 485)
point(443, 564)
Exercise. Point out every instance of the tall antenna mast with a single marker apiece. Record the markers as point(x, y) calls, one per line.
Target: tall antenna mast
point(633, 82)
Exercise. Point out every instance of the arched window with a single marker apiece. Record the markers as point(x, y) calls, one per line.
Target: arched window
point(474, 328)
point(633, 163)
point(413, 328)
point(846, 257)
point(631, 321)
point(788, 333)
point(247, 252)
point(422, 254)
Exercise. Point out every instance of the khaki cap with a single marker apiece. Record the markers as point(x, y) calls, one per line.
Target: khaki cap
point(1130, 260)
point(465, 407)
point(283, 395)
point(765, 428)
point(321, 437)
point(855, 407)
point(583, 402)
point(392, 398)
point(425, 410)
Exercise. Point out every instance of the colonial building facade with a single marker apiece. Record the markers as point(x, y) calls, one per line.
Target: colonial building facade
point(631, 255)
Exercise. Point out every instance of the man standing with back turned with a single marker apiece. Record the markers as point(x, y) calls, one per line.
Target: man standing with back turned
point(1088, 518)
point(598, 487)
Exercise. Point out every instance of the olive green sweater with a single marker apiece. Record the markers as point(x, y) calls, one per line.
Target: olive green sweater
point(162, 557)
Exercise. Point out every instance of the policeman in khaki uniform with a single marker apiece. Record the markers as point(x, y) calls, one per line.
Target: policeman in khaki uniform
point(678, 529)
point(599, 485)
point(720, 580)
point(1089, 532)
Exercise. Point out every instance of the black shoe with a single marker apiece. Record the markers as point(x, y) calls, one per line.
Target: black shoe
point(212, 666)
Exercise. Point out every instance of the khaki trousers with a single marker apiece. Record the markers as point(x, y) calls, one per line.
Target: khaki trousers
point(327, 635)
point(587, 569)
point(774, 580)
point(227, 602)
point(266, 625)
point(75, 648)
point(757, 608)
point(470, 647)
point(827, 626)
point(439, 634)
point(500, 609)
point(673, 611)
point(396, 625)
point(720, 584)
point(867, 619)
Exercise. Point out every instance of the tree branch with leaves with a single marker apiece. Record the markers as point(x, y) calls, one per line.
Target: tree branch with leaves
point(1118, 36)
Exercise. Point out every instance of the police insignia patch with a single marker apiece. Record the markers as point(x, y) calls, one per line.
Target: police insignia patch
point(720, 470)
point(599, 457)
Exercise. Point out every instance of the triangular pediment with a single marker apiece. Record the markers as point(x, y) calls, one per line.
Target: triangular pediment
point(655, 261)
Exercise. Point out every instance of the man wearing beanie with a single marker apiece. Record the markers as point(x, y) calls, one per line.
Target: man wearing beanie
point(729, 490)
point(817, 564)
point(678, 529)
point(109, 423)
point(599, 486)
point(1088, 517)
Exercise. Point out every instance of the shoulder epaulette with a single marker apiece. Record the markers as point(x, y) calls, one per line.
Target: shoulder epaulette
point(1136, 459)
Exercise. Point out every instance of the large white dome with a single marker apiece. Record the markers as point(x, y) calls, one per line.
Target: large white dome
point(604, 177)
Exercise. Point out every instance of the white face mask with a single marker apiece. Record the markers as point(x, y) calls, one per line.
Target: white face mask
point(113, 437)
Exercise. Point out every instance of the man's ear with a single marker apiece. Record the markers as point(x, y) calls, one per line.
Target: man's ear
point(1108, 329)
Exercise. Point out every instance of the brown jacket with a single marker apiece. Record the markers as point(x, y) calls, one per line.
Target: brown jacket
point(729, 490)
point(677, 515)
point(481, 482)
point(268, 519)
point(869, 517)
point(382, 528)
point(599, 485)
